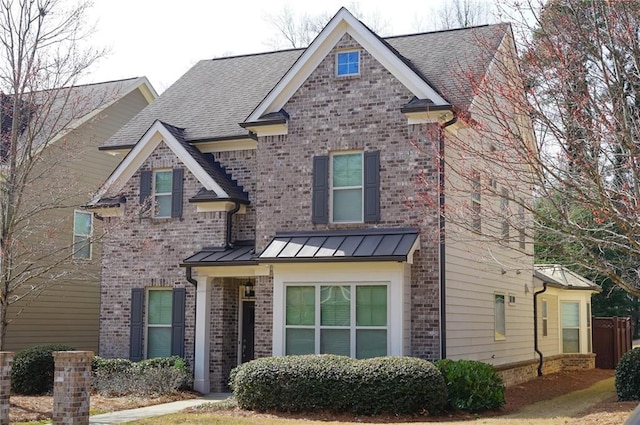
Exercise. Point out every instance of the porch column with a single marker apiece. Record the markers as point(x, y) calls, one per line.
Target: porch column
point(201, 382)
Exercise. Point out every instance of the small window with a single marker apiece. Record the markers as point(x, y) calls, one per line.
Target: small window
point(82, 229)
point(505, 214)
point(163, 181)
point(476, 200)
point(500, 323)
point(348, 63)
point(570, 327)
point(589, 328)
point(545, 318)
point(159, 309)
point(347, 194)
point(521, 231)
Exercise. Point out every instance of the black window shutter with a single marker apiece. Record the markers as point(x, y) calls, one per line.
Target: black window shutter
point(371, 186)
point(320, 201)
point(176, 192)
point(177, 322)
point(145, 185)
point(136, 327)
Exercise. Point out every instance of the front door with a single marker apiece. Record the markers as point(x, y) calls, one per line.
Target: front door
point(247, 330)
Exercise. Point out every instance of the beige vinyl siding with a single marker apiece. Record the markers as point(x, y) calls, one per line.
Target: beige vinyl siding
point(479, 266)
point(549, 345)
point(67, 311)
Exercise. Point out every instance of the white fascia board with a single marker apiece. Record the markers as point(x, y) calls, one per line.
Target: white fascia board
point(343, 23)
point(153, 137)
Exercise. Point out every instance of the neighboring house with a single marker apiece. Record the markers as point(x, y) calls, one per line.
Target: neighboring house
point(62, 238)
point(270, 204)
point(563, 306)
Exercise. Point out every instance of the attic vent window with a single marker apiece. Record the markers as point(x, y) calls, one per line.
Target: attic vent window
point(348, 63)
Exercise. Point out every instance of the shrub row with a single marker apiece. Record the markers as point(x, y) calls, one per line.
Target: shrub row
point(152, 377)
point(396, 385)
point(628, 376)
point(33, 369)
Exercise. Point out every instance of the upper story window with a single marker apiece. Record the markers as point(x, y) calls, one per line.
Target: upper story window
point(476, 201)
point(82, 229)
point(162, 191)
point(163, 183)
point(346, 187)
point(348, 63)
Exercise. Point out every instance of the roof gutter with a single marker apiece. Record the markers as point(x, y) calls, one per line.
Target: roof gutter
point(441, 253)
point(535, 326)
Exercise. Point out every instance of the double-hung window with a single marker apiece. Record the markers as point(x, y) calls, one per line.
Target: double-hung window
point(545, 318)
point(476, 201)
point(346, 319)
point(347, 188)
point(570, 326)
point(505, 214)
point(82, 229)
point(500, 319)
point(348, 63)
point(163, 182)
point(159, 308)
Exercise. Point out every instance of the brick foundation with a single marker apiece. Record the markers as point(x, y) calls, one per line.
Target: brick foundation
point(71, 387)
point(517, 373)
point(6, 361)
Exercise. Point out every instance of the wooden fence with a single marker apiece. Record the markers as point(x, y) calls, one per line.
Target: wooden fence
point(612, 337)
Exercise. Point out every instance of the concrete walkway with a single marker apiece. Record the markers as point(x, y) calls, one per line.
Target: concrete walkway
point(157, 410)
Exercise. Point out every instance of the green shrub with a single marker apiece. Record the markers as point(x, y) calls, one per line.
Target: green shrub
point(472, 386)
point(628, 376)
point(398, 385)
point(152, 377)
point(33, 369)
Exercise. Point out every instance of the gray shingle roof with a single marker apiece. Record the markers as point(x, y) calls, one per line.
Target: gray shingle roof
point(214, 96)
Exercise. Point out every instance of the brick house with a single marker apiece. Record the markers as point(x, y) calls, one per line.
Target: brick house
point(268, 204)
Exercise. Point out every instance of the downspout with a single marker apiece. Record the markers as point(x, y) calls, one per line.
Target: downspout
point(230, 214)
point(441, 253)
point(535, 326)
point(194, 282)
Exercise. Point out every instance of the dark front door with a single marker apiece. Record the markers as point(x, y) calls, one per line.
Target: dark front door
point(248, 322)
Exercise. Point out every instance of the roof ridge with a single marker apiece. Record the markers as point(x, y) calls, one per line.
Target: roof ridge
point(252, 55)
point(413, 34)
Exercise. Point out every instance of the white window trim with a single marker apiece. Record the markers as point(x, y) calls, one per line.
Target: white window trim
point(394, 275)
point(332, 188)
point(155, 194)
point(147, 325)
point(353, 328)
point(476, 201)
point(359, 62)
point(589, 336)
point(496, 336)
point(88, 236)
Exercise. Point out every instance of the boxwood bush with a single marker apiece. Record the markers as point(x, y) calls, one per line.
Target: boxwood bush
point(397, 385)
point(152, 377)
point(472, 386)
point(33, 369)
point(628, 376)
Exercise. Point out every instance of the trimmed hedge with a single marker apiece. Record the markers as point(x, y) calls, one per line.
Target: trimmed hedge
point(152, 377)
point(472, 386)
point(33, 369)
point(628, 376)
point(396, 385)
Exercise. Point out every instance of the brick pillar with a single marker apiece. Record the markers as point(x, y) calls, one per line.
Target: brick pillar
point(71, 387)
point(6, 359)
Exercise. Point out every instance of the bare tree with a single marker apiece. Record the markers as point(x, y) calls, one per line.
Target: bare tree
point(295, 30)
point(577, 86)
point(455, 14)
point(40, 62)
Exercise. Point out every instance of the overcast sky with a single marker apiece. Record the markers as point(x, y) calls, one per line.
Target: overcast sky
point(162, 39)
